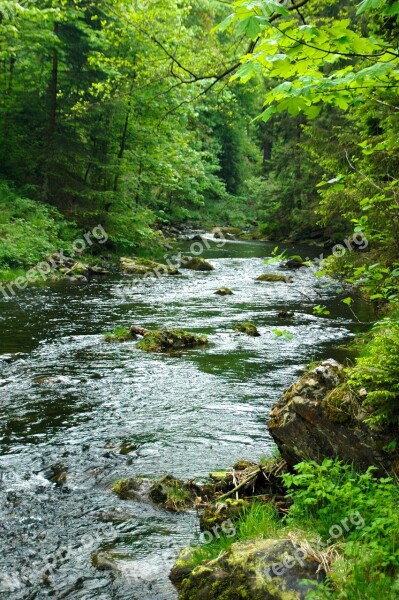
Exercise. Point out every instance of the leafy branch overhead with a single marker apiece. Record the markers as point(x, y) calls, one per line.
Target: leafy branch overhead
point(316, 59)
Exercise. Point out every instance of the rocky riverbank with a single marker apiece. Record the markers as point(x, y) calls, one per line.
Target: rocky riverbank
point(318, 419)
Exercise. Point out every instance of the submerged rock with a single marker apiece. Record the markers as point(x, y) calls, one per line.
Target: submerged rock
point(274, 277)
point(195, 263)
point(319, 416)
point(170, 339)
point(248, 328)
point(224, 291)
point(273, 569)
point(144, 266)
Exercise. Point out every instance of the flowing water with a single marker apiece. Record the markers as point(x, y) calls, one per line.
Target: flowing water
point(67, 398)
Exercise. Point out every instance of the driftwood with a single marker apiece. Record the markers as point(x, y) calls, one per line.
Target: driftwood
point(248, 479)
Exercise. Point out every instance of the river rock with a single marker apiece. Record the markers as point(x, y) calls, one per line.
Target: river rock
point(293, 263)
point(195, 263)
point(143, 266)
point(274, 277)
point(304, 426)
point(272, 569)
point(168, 340)
point(224, 291)
point(248, 328)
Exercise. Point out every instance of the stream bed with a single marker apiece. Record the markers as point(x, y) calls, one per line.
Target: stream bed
point(68, 400)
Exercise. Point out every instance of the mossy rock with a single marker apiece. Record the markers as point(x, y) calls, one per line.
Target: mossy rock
point(243, 465)
point(253, 570)
point(170, 340)
point(341, 404)
point(127, 447)
point(172, 494)
point(221, 232)
point(219, 512)
point(248, 328)
point(224, 291)
point(293, 263)
point(126, 489)
point(120, 334)
point(144, 266)
point(224, 477)
point(195, 263)
point(274, 277)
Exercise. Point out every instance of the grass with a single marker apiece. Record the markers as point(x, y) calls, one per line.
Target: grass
point(362, 562)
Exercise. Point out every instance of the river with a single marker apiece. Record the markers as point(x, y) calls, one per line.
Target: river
point(67, 398)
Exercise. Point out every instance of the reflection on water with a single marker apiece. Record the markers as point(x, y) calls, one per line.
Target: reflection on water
point(68, 398)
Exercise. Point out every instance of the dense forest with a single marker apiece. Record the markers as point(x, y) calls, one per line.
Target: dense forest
point(277, 120)
point(143, 115)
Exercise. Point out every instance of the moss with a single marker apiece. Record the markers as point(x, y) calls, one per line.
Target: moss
point(169, 340)
point(196, 263)
point(248, 328)
point(172, 494)
point(119, 334)
point(224, 291)
point(127, 447)
point(144, 266)
point(124, 488)
point(216, 514)
point(270, 277)
point(340, 405)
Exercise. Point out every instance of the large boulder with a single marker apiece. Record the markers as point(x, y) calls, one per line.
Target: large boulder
point(272, 569)
point(320, 416)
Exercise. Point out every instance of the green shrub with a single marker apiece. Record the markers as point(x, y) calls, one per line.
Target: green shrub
point(28, 230)
point(377, 370)
point(327, 495)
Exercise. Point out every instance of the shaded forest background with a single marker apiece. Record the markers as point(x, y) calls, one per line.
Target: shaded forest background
point(124, 113)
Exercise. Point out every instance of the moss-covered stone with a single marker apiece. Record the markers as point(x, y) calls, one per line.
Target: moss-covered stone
point(253, 570)
point(120, 334)
point(224, 291)
point(173, 494)
point(126, 489)
point(127, 447)
point(219, 512)
point(195, 263)
point(170, 340)
point(274, 277)
point(144, 266)
point(248, 328)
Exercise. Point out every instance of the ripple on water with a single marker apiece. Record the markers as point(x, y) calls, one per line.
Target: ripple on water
point(71, 399)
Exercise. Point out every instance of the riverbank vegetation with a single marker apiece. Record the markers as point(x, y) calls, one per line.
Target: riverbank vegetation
point(345, 521)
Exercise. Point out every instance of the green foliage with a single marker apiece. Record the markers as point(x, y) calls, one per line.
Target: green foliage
point(365, 509)
point(320, 310)
point(29, 230)
point(377, 370)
